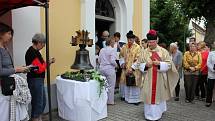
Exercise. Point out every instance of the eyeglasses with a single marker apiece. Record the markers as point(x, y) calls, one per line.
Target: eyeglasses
point(105, 36)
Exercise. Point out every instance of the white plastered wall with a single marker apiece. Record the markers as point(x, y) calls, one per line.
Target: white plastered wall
point(145, 17)
point(25, 22)
point(124, 15)
point(88, 23)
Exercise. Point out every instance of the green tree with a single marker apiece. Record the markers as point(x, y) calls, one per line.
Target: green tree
point(169, 21)
point(198, 9)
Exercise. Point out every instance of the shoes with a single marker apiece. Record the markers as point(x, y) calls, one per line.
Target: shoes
point(112, 104)
point(202, 99)
point(187, 101)
point(137, 103)
point(35, 119)
point(192, 102)
point(196, 98)
point(176, 98)
point(122, 99)
point(208, 104)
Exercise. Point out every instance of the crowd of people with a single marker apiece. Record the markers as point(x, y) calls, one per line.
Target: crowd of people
point(146, 71)
point(151, 73)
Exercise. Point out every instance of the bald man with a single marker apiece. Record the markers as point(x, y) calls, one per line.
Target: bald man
point(101, 40)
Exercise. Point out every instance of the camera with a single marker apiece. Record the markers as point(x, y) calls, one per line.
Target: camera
point(33, 68)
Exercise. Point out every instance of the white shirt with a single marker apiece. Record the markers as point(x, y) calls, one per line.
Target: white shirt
point(210, 64)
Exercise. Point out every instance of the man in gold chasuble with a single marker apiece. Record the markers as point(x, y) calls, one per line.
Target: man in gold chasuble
point(159, 77)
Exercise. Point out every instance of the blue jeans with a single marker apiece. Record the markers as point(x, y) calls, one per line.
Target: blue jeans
point(38, 102)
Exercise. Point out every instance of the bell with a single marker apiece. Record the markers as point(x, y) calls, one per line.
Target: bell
point(82, 60)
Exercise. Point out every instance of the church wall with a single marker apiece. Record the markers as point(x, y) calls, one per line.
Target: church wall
point(64, 20)
point(145, 17)
point(137, 18)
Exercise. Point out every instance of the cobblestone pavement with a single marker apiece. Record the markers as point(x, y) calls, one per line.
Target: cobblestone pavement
point(176, 111)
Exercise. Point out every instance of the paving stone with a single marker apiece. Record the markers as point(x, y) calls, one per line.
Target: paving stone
point(176, 111)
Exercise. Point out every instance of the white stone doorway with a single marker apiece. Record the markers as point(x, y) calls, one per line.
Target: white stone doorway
point(111, 15)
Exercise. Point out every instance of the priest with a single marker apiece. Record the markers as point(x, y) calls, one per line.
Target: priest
point(160, 77)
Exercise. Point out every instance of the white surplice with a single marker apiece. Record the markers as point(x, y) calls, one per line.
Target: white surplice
point(132, 94)
point(154, 111)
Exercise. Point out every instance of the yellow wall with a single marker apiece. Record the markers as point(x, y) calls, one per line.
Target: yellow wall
point(137, 18)
point(64, 20)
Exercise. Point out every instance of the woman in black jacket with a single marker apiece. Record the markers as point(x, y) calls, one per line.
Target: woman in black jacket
point(36, 76)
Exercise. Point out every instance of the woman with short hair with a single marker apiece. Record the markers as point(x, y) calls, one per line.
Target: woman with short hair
point(36, 76)
point(107, 60)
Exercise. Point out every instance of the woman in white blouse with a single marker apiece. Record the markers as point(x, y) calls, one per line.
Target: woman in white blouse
point(211, 76)
point(107, 60)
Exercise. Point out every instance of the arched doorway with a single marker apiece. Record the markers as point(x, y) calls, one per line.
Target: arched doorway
point(105, 17)
point(113, 15)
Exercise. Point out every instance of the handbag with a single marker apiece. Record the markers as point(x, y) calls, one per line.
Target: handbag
point(7, 85)
point(130, 80)
point(7, 82)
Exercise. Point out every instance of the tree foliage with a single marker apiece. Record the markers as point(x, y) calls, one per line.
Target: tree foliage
point(169, 21)
point(198, 9)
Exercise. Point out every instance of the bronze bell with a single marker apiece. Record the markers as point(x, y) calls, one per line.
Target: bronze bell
point(82, 60)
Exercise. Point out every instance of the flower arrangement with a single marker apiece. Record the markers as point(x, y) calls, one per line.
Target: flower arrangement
point(86, 76)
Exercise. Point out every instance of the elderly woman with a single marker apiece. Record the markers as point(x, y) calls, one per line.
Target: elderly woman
point(36, 76)
point(7, 68)
point(107, 60)
point(177, 60)
point(192, 64)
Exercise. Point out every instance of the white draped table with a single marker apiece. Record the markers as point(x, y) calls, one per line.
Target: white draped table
point(80, 101)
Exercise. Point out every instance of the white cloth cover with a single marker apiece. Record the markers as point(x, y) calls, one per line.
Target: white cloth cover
point(154, 111)
point(4, 107)
point(164, 67)
point(80, 101)
point(21, 110)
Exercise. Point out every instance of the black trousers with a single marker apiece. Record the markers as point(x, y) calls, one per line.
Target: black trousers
point(190, 82)
point(201, 85)
point(210, 87)
point(177, 88)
